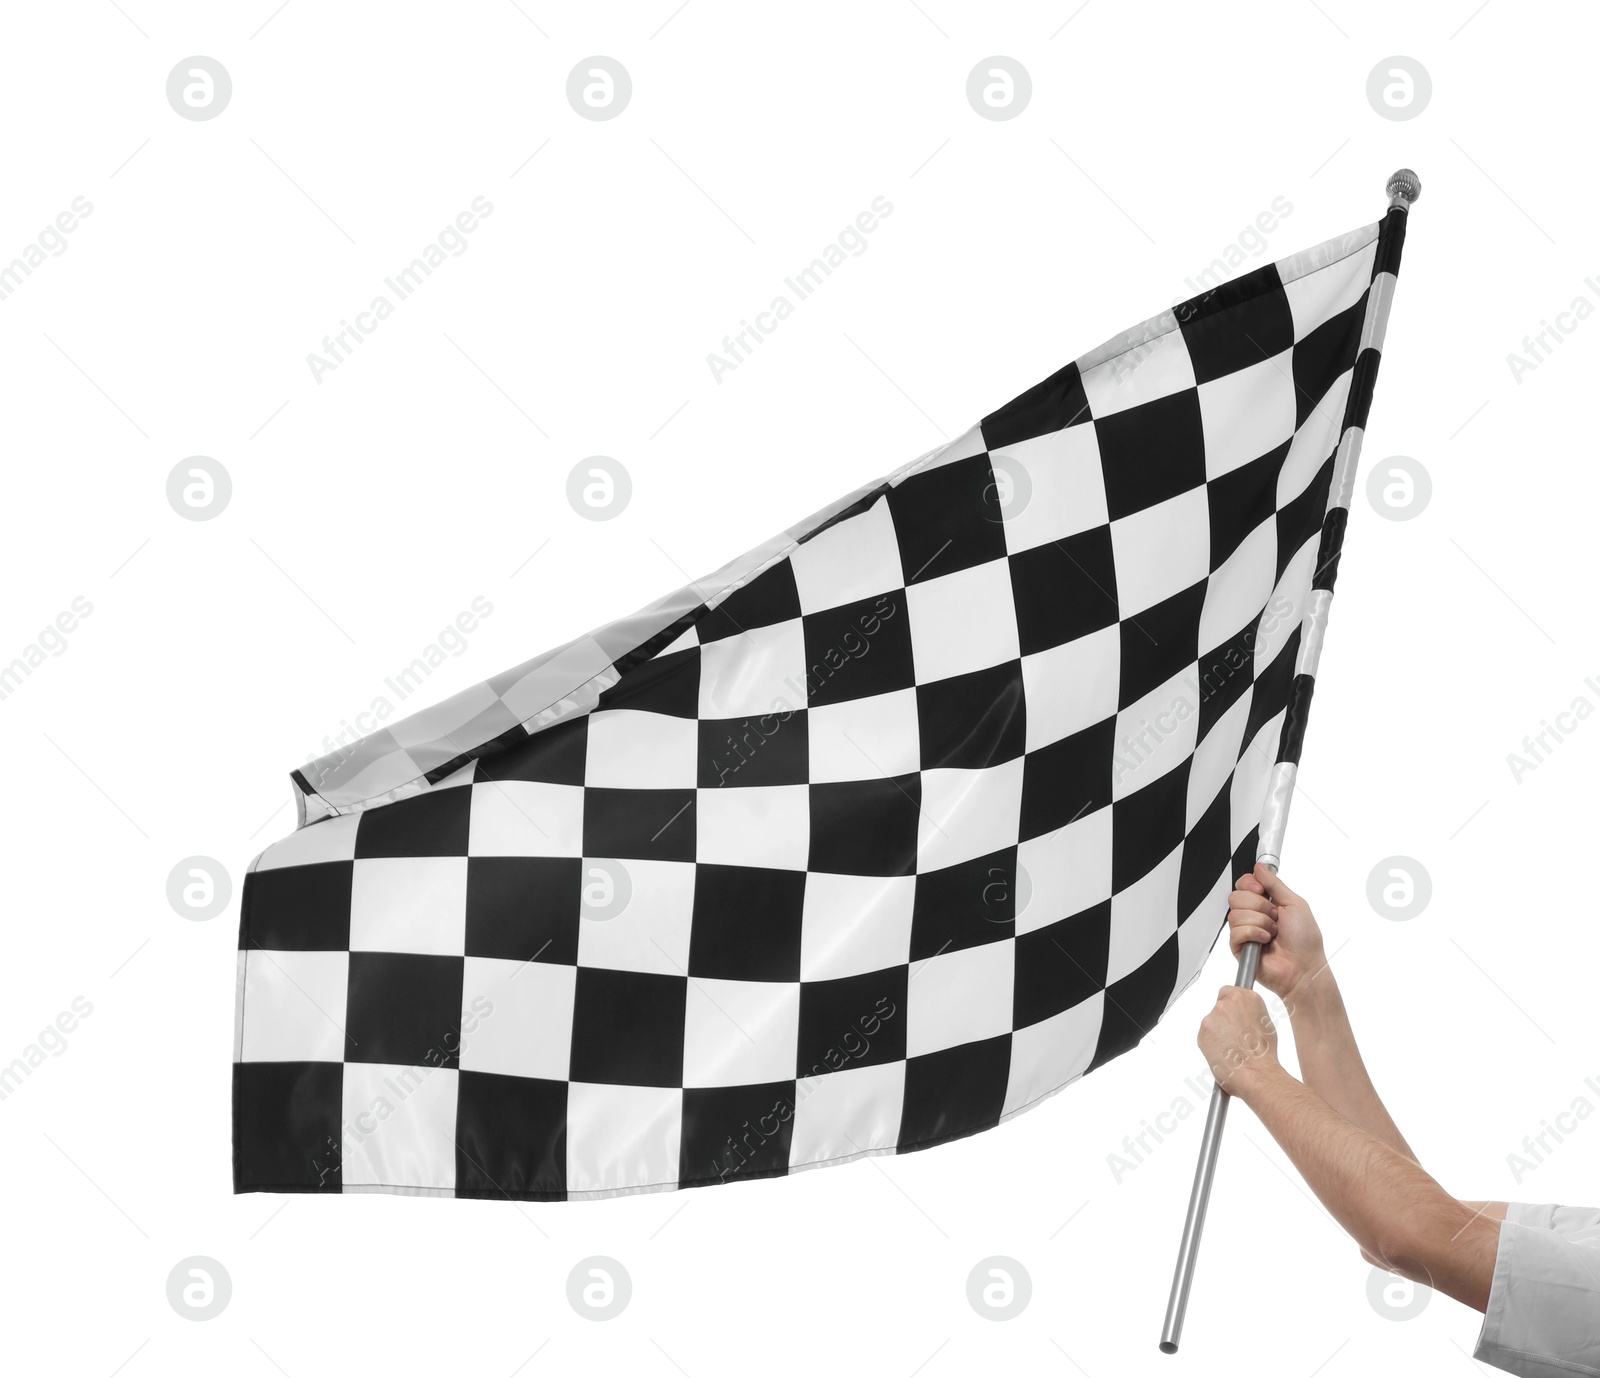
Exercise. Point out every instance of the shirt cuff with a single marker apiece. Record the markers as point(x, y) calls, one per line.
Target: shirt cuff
point(1524, 1213)
point(1542, 1319)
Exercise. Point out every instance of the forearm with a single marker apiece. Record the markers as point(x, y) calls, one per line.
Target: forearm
point(1393, 1209)
point(1331, 1063)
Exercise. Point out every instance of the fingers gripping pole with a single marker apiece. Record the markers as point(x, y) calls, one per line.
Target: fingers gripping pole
point(1403, 189)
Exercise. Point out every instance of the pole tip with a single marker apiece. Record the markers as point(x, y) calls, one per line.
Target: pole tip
point(1404, 188)
point(1167, 1347)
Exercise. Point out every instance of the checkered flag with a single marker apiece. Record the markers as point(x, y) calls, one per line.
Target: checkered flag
point(877, 837)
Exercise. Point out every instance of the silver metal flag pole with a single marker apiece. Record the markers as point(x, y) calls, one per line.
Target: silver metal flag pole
point(1403, 189)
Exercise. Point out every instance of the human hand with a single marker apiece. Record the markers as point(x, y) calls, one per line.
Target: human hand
point(1262, 909)
point(1239, 1041)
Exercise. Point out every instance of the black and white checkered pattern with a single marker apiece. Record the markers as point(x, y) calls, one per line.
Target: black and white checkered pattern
point(920, 813)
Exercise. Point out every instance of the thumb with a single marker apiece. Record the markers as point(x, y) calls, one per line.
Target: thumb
point(1272, 883)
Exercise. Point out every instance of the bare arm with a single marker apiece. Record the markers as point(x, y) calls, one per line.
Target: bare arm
point(1396, 1212)
point(1393, 1209)
point(1331, 1062)
point(1263, 909)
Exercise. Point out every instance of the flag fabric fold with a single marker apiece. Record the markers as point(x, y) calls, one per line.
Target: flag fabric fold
point(877, 837)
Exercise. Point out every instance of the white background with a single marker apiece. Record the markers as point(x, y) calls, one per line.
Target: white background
point(369, 509)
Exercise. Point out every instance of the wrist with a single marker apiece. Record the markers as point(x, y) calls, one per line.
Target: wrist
point(1314, 996)
point(1256, 1080)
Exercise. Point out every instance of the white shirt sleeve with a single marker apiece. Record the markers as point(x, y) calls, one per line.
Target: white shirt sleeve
point(1543, 1318)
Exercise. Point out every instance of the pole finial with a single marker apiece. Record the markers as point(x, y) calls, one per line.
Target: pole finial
point(1404, 189)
